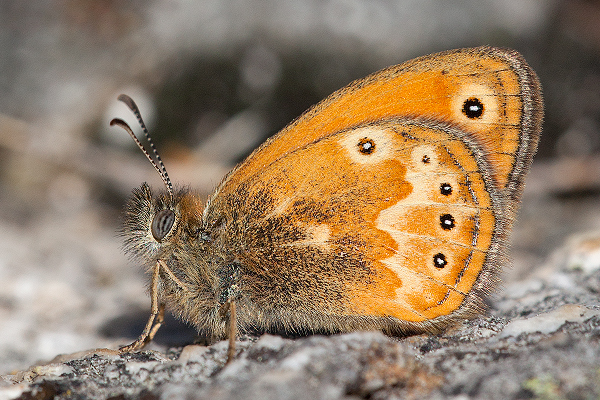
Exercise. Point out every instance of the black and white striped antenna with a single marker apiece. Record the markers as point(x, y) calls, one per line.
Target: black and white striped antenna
point(158, 164)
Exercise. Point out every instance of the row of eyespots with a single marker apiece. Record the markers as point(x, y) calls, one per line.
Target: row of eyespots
point(473, 109)
point(366, 146)
point(447, 223)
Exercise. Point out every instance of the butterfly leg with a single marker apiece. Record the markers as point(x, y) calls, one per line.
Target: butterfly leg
point(232, 327)
point(232, 331)
point(158, 314)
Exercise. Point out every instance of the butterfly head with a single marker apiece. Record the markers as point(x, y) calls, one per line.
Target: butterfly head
point(158, 226)
point(163, 230)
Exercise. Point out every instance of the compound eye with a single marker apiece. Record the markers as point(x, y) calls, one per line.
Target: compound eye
point(162, 223)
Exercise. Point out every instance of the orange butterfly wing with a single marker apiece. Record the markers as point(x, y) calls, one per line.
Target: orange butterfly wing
point(386, 199)
point(433, 86)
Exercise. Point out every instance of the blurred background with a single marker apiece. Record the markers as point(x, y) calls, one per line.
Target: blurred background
point(213, 79)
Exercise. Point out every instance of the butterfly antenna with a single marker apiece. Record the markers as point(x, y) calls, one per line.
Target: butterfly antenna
point(160, 167)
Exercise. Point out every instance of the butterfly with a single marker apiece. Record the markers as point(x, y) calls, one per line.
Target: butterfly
point(386, 206)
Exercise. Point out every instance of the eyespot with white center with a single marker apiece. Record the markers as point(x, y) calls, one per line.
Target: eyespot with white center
point(446, 189)
point(473, 108)
point(439, 260)
point(366, 146)
point(447, 222)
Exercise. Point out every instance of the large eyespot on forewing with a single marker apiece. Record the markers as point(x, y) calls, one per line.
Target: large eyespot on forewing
point(162, 223)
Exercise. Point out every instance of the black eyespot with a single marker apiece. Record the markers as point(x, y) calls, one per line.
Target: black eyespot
point(446, 189)
point(472, 108)
point(162, 223)
point(426, 159)
point(447, 222)
point(439, 260)
point(366, 146)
